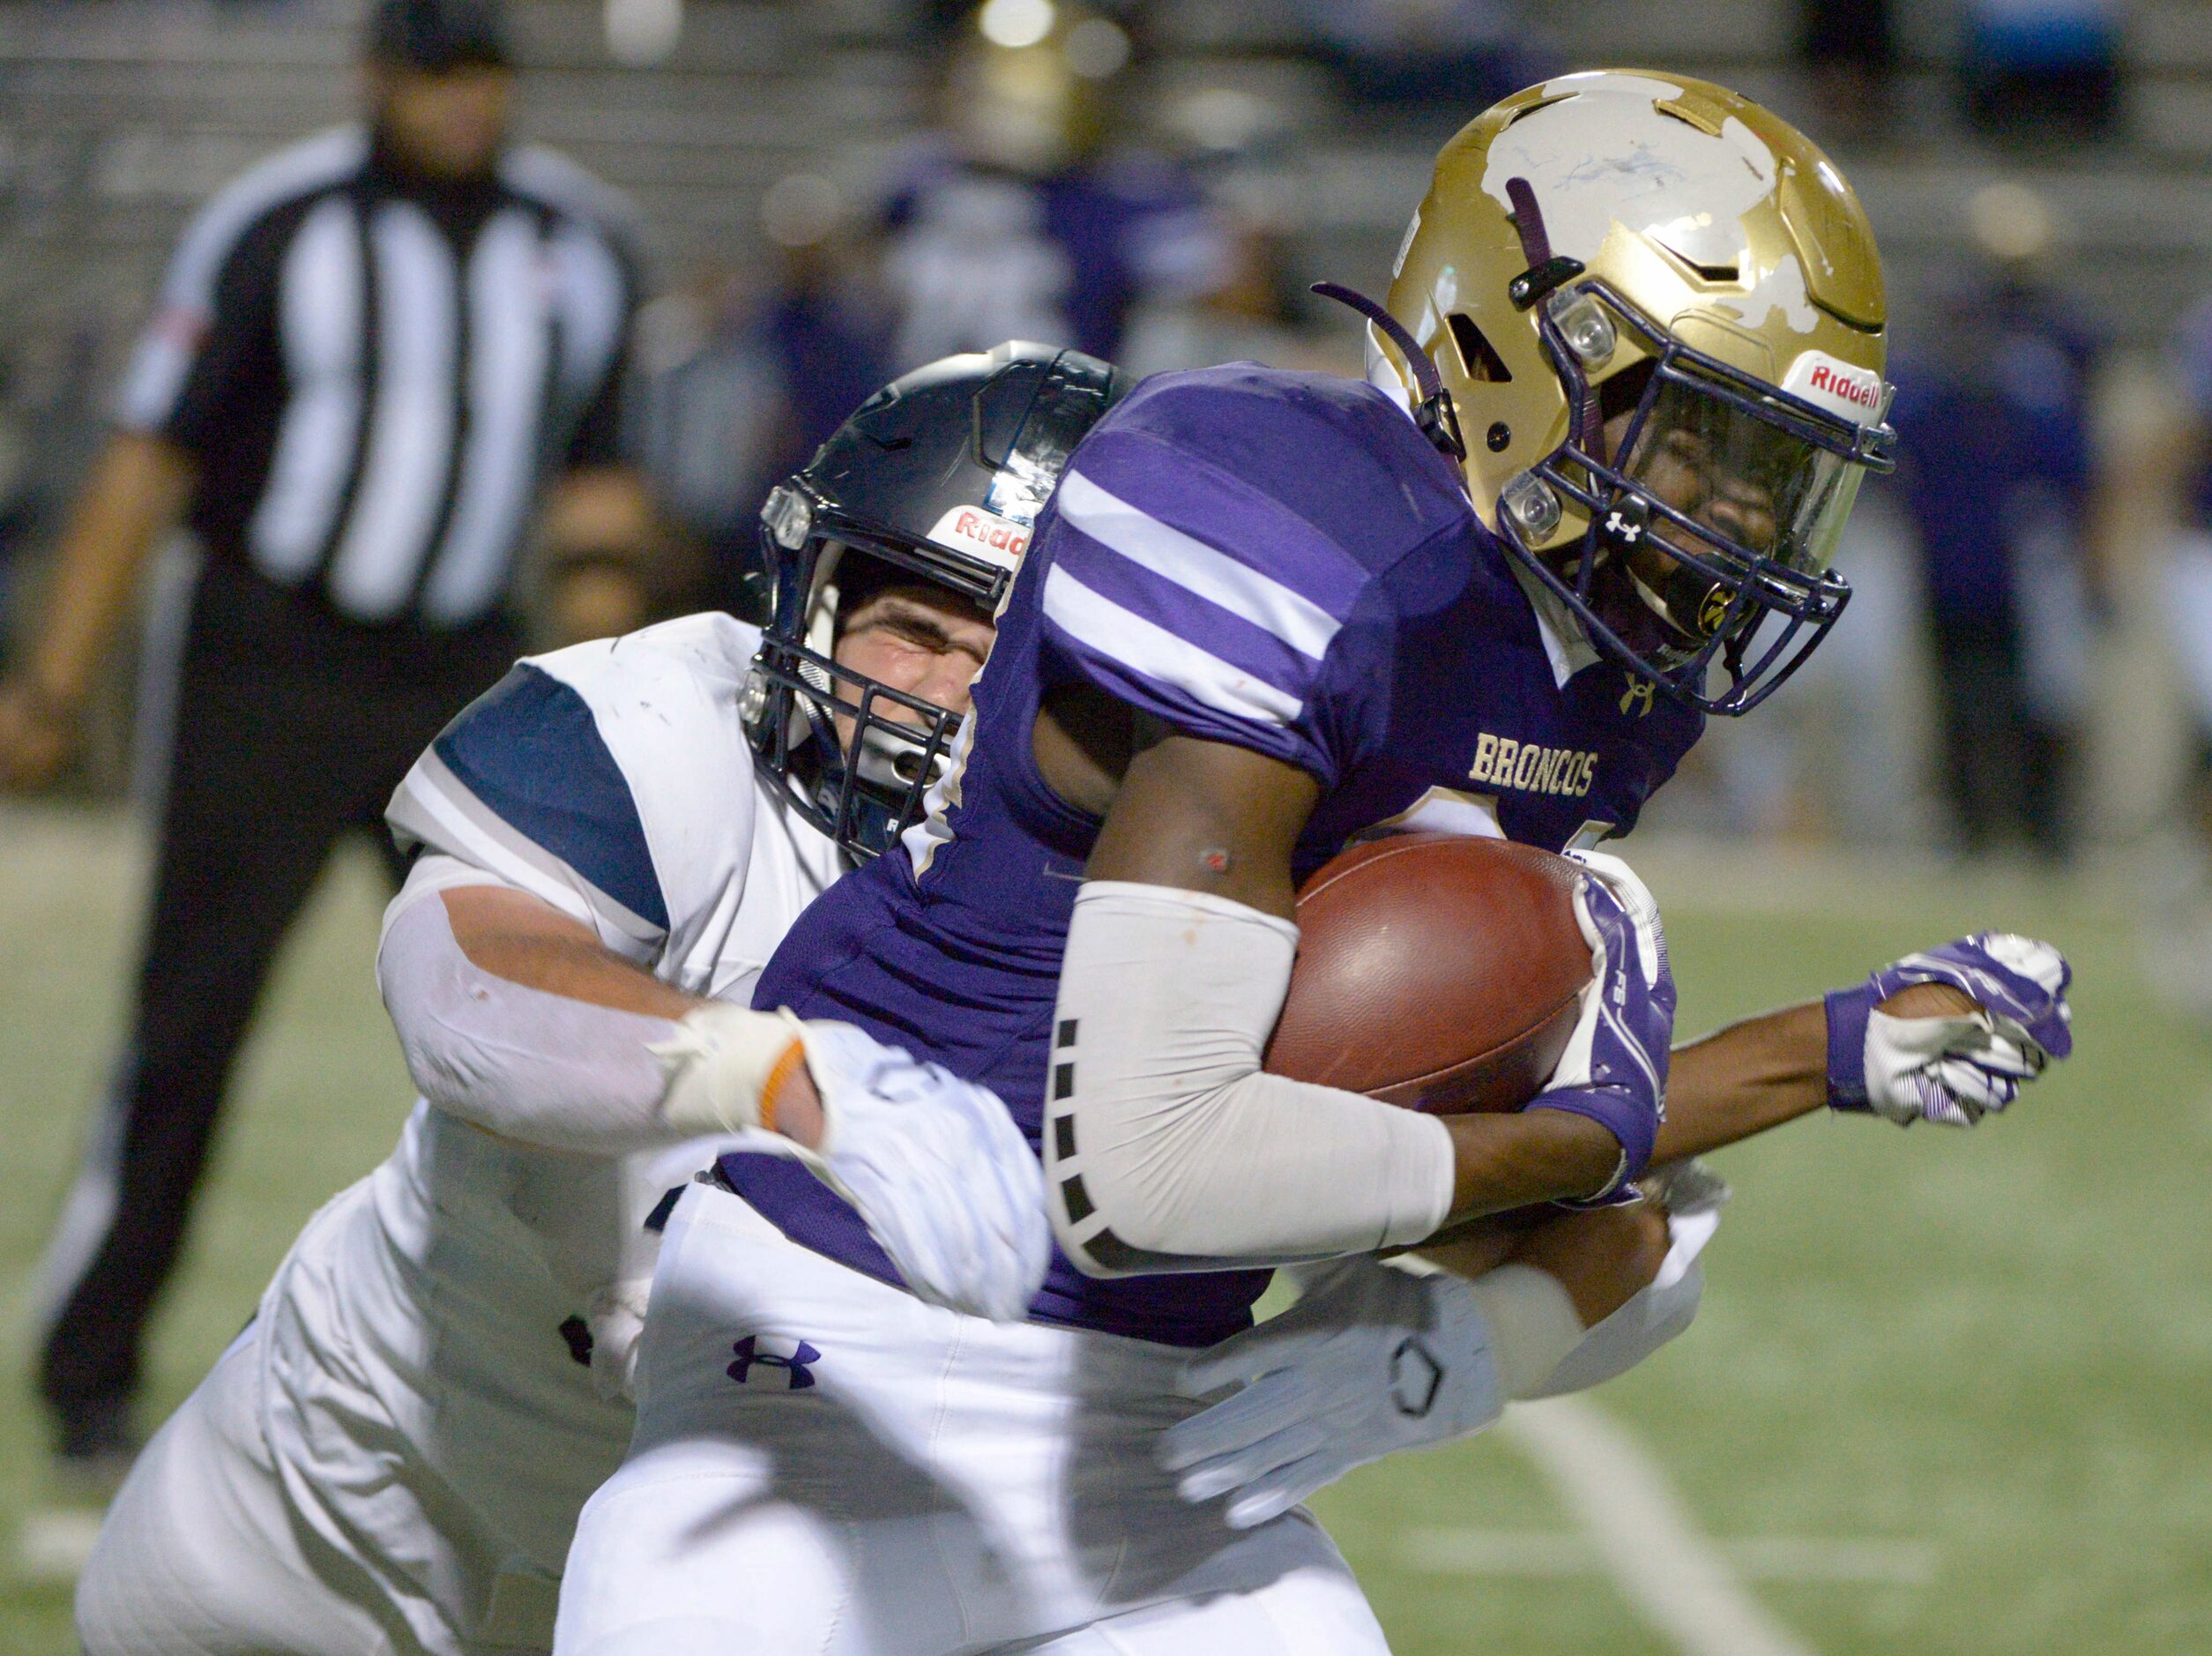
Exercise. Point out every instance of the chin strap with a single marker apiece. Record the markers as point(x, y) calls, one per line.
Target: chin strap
point(1546, 270)
point(1436, 413)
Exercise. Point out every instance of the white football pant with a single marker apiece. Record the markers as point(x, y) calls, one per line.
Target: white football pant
point(199, 1555)
point(823, 1463)
point(381, 1463)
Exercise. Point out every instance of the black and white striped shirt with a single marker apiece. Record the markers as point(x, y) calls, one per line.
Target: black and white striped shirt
point(375, 376)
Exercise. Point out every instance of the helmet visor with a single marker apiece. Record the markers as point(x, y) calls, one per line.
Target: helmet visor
point(1746, 475)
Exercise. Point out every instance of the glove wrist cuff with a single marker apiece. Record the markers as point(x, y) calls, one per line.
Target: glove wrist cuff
point(720, 1064)
point(1529, 1320)
point(1848, 1011)
point(1631, 1121)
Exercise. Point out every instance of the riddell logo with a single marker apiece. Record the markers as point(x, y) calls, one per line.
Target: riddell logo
point(1839, 387)
point(1865, 394)
point(986, 534)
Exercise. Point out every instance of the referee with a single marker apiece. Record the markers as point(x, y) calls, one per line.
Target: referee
point(378, 359)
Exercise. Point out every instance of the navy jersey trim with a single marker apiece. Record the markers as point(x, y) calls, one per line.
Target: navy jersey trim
point(531, 753)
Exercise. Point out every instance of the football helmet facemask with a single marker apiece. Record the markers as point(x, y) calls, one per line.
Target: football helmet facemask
point(1656, 311)
point(936, 481)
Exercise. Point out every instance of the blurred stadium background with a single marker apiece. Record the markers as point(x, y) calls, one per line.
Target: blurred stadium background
point(1946, 1395)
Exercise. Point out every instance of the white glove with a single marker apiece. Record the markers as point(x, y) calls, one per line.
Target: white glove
point(1950, 1070)
point(1370, 1361)
point(934, 1164)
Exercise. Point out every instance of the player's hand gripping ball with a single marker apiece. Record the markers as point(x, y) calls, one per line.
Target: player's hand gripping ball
point(1614, 1067)
point(1455, 974)
point(1435, 971)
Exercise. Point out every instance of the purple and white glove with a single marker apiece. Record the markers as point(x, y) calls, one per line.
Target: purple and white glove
point(1951, 1070)
point(1614, 1067)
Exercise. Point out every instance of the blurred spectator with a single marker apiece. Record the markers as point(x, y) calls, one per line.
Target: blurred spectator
point(2041, 69)
point(1998, 475)
point(1838, 753)
point(1245, 155)
point(827, 321)
point(2182, 472)
point(1461, 55)
point(742, 384)
point(1026, 219)
point(377, 357)
point(1254, 316)
point(939, 24)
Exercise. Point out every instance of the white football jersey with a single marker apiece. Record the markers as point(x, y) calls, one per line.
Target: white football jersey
point(423, 1400)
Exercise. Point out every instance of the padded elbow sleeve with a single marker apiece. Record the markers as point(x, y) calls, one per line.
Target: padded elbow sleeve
point(1165, 1147)
point(552, 1071)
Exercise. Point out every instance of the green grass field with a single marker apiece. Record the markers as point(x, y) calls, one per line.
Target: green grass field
point(1989, 1351)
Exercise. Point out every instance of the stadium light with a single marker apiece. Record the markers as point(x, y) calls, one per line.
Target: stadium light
point(642, 33)
point(1015, 23)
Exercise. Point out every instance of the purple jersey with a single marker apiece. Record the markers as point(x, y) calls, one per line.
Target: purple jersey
point(1272, 559)
point(974, 255)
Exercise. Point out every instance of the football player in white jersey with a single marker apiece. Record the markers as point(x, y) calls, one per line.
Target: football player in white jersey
point(391, 1457)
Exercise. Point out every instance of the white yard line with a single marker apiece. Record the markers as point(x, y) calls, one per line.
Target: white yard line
point(1534, 1556)
point(51, 1547)
point(1669, 1573)
point(1833, 1558)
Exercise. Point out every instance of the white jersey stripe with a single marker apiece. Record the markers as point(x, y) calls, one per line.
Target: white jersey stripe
point(165, 355)
point(1196, 567)
point(548, 176)
point(405, 472)
point(589, 279)
point(1122, 636)
point(506, 391)
point(432, 807)
point(320, 300)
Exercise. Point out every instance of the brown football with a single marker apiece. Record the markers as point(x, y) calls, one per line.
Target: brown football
point(1435, 971)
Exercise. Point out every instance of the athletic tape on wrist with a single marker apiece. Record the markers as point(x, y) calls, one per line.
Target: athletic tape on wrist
point(722, 1063)
point(1532, 1323)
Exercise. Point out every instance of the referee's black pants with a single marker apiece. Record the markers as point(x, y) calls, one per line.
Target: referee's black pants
point(290, 727)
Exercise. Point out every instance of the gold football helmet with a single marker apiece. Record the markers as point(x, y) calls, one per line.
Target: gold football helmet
point(1029, 82)
point(1657, 313)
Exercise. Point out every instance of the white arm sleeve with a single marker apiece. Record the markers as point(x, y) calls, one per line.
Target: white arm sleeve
point(550, 1070)
point(542, 1068)
point(1165, 1148)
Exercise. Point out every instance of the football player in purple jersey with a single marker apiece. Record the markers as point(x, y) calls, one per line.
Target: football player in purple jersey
point(1029, 215)
point(1628, 379)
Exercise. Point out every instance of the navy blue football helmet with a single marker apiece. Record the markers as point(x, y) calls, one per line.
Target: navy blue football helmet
point(937, 478)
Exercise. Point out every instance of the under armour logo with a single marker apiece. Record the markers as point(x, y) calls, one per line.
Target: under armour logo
point(1415, 1377)
point(1619, 527)
point(797, 1365)
point(1639, 691)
